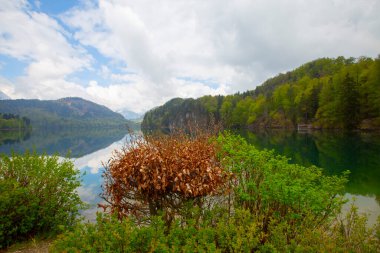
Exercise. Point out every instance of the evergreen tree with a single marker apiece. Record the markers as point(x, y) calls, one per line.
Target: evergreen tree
point(349, 103)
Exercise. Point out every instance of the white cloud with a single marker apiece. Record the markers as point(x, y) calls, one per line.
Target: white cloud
point(7, 87)
point(9, 5)
point(33, 35)
point(150, 45)
point(39, 40)
point(236, 43)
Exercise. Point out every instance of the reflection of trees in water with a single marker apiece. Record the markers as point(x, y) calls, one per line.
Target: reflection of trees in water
point(357, 152)
point(9, 137)
point(300, 148)
point(333, 151)
point(79, 142)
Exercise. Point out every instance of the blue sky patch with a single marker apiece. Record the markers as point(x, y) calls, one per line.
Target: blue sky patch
point(53, 7)
point(11, 68)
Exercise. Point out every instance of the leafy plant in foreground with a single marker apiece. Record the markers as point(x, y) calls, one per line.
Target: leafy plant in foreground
point(37, 195)
point(162, 173)
point(274, 207)
point(217, 232)
point(279, 192)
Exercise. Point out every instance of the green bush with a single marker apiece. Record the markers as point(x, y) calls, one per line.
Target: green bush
point(109, 234)
point(268, 186)
point(240, 232)
point(37, 196)
point(273, 207)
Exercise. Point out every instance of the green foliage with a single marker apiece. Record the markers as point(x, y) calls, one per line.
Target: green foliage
point(214, 233)
point(241, 112)
point(227, 109)
point(331, 150)
point(177, 113)
point(274, 207)
point(210, 103)
point(348, 103)
point(279, 192)
point(217, 232)
point(37, 196)
point(326, 93)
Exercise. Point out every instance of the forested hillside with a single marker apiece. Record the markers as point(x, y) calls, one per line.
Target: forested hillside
point(63, 113)
point(326, 93)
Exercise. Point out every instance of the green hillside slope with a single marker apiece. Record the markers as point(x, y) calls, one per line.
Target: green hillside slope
point(326, 93)
point(63, 113)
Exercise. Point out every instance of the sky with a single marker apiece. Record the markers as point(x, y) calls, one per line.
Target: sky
point(136, 55)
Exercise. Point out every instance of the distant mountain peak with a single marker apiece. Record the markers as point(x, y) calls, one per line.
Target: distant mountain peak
point(75, 100)
point(4, 96)
point(72, 99)
point(63, 112)
point(130, 114)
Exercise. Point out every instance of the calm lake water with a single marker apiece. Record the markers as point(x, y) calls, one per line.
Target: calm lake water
point(333, 151)
point(88, 149)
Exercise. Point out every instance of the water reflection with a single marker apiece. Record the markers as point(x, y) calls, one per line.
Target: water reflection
point(91, 166)
point(89, 149)
point(79, 142)
point(10, 137)
point(335, 152)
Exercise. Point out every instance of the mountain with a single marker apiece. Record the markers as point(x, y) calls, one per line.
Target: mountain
point(3, 96)
point(71, 112)
point(340, 93)
point(129, 114)
point(175, 113)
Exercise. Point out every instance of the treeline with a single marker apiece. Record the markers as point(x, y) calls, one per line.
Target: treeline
point(336, 93)
point(9, 121)
point(65, 113)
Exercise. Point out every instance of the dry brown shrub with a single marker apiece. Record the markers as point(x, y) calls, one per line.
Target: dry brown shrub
point(162, 173)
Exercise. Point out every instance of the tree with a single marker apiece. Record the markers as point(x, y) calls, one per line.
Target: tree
point(241, 112)
point(226, 110)
point(349, 103)
point(374, 88)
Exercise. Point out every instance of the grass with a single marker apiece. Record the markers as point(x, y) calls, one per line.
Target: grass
point(35, 245)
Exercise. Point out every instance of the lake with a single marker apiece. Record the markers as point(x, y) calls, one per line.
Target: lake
point(333, 151)
point(88, 149)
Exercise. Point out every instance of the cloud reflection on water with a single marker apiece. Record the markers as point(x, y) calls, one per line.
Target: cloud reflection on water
point(91, 166)
point(93, 162)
